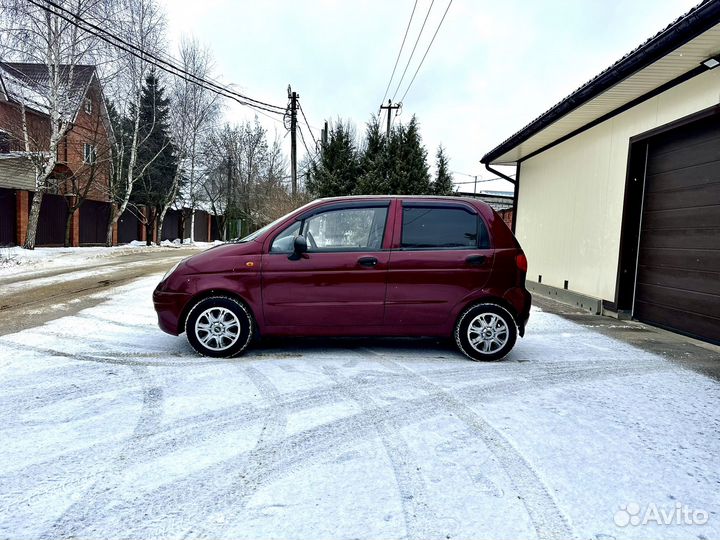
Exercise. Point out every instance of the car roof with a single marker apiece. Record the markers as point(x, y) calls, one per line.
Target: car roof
point(449, 198)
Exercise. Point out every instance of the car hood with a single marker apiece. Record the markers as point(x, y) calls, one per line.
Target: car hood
point(223, 258)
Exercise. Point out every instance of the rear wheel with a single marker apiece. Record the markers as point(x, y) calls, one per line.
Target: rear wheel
point(219, 326)
point(485, 332)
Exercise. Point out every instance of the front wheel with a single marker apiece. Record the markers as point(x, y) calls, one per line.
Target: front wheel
point(485, 332)
point(219, 326)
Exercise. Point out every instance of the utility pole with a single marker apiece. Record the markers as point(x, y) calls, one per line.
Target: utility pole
point(231, 199)
point(324, 135)
point(475, 188)
point(390, 108)
point(293, 96)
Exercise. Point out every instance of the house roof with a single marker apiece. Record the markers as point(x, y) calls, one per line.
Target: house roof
point(673, 54)
point(27, 82)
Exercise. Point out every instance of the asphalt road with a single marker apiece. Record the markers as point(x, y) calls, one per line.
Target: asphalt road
point(36, 297)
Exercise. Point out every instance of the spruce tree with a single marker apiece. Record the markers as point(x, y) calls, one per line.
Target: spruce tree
point(373, 162)
point(156, 154)
point(443, 184)
point(338, 169)
point(408, 170)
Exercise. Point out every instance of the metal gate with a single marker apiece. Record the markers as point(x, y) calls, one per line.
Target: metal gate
point(94, 217)
point(128, 226)
point(171, 225)
point(7, 217)
point(52, 222)
point(214, 229)
point(201, 226)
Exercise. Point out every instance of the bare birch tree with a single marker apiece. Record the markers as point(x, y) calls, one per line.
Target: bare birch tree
point(247, 177)
point(195, 109)
point(142, 23)
point(52, 38)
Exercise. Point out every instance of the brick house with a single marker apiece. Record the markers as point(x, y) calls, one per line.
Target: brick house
point(83, 162)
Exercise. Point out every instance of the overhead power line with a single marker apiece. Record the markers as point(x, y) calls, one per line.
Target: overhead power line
point(152, 59)
point(417, 40)
point(474, 175)
point(426, 51)
point(302, 137)
point(407, 28)
point(308, 126)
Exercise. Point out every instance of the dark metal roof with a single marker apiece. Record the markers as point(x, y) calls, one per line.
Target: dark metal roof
point(696, 21)
point(37, 77)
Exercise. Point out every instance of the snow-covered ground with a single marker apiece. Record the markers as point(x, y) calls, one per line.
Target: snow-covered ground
point(17, 260)
point(112, 429)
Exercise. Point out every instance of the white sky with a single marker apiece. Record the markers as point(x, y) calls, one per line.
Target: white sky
point(494, 66)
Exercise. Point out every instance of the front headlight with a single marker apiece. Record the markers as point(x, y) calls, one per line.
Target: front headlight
point(167, 274)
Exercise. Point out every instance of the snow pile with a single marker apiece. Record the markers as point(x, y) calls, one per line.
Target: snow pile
point(174, 243)
point(10, 257)
point(16, 259)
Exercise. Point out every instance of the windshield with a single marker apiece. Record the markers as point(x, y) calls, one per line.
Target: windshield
point(254, 235)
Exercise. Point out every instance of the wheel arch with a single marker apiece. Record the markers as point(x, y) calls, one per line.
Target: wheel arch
point(492, 300)
point(209, 293)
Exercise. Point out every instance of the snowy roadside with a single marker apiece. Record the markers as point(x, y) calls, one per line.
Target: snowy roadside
point(17, 260)
point(113, 429)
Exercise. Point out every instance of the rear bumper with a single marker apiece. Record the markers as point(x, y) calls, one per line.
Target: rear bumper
point(520, 299)
point(169, 307)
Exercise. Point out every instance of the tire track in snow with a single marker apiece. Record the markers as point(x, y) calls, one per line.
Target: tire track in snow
point(212, 487)
point(216, 486)
point(548, 520)
point(418, 515)
point(191, 430)
point(271, 435)
point(98, 495)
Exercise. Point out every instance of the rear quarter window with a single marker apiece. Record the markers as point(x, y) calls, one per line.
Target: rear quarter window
point(442, 228)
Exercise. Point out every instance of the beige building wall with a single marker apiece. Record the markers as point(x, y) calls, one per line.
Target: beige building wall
point(17, 173)
point(571, 196)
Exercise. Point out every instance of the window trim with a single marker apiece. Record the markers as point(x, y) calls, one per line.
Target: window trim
point(282, 230)
point(442, 205)
point(93, 153)
point(347, 205)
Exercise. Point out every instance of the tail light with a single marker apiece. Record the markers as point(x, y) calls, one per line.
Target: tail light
point(521, 262)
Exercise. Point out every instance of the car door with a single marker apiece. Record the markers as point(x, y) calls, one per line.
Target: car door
point(441, 256)
point(341, 279)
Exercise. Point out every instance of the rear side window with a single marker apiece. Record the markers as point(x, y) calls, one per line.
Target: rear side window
point(442, 228)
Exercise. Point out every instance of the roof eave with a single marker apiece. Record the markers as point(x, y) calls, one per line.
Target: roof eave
point(697, 21)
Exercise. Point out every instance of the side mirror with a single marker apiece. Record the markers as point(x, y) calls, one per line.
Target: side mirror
point(299, 248)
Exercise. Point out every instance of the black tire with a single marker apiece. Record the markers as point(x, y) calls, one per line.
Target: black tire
point(493, 325)
point(219, 327)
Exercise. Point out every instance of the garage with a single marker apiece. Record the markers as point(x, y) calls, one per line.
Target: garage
point(678, 273)
point(617, 186)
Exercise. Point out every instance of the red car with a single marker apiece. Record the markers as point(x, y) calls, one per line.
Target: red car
point(357, 266)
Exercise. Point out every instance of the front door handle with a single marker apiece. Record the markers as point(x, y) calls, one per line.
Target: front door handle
point(367, 261)
point(476, 260)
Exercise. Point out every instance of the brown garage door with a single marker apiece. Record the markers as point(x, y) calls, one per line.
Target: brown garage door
point(678, 278)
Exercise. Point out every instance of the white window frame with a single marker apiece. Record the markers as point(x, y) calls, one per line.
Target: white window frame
point(89, 153)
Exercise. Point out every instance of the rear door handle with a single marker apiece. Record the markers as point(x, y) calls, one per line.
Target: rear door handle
point(367, 261)
point(476, 260)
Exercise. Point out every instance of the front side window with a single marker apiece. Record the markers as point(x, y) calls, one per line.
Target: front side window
point(346, 229)
point(442, 228)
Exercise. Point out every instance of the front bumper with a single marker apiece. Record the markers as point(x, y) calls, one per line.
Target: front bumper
point(169, 307)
